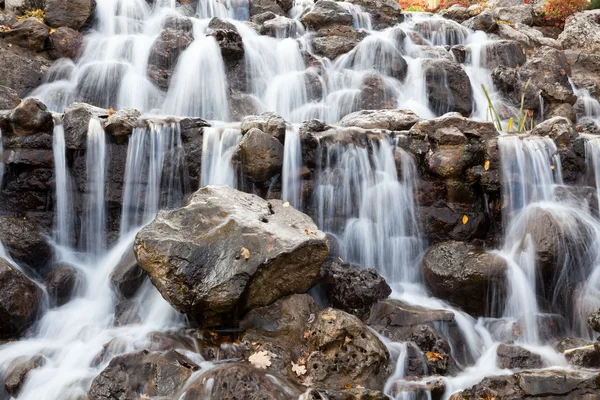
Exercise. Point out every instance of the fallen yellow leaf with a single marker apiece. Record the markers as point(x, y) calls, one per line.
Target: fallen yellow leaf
point(111, 111)
point(245, 253)
point(486, 165)
point(465, 219)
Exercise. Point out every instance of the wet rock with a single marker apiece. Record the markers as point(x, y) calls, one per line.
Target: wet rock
point(228, 252)
point(17, 372)
point(594, 321)
point(20, 300)
point(571, 343)
point(241, 105)
point(556, 384)
point(484, 21)
point(516, 357)
point(76, 122)
point(228, 38)
point(164, 55)
point(261, 18)
point(559, 129)
point(468, 127)
point(375, 94)
point(441, 31)
point(384, 13)
point(9, 98)
point(582, 31)
point(352, 289)
point(153, 374)
point(128, 276)
point(465, 275)
point(325, 14)
point(239, 381)
point(507, 53)
point(456, 13)
point(258, 7)
point(343, 351)
point(268, 122)
point(122, 122)
point(392, 120)
point(261, 155)
point(345, 394)
point(127, 312)
point(65, 43)
point(25, 243)
point(63, 282)
point(448, 87)
point(332, 43)
point(395, 313)
point(510, 84)
point(280, 27)
point(31, 33)
point(564, 110)
point(587, 357)
point(432, 389)
point(75, 14)
point(20, 69)
point(522, 14)
point(549, 71)
point(30, 117)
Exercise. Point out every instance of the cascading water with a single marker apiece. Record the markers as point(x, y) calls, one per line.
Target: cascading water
point(292, 162)
point(63, 226)
point(218, 148)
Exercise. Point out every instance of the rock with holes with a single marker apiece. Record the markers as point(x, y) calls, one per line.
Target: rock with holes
point(582, 31)
point(227, 252)
point(343, 351)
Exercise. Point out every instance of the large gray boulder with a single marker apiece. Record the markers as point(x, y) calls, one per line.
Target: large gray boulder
point(30, 33)
point(582, 31)
point(325, 14)
point(20, 300)
point(74, 14)
point(465, 275)
point(392, 120)
point(228, 252)
point(25, 243)
point(21, 69)
point(261, 155)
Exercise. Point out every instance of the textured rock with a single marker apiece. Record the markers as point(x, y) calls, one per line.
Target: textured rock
point(65, 43)
point(325, 14)
point(559, 129)
point(31, 33)
point(258, 7)
point(25, 243)
point(228, 251)
point(268, 122)
point(392, 120)
point(30, 117)
point(507, 53)
point(63, 282)
point(516, 357)
point(594, 321)
point(75, 14)
point(18, 370)
point(21, 70)
point(465, 275)
point(76, 122)
point(128, 276)
point(522, 14)
point(9, 98)
point(122, 122)
point(164, 54)
point(448, 87)
point(582, 31)
point(261, 155)
point(20, 300)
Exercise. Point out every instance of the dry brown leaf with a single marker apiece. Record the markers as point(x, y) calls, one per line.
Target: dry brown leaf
point(431, 356)
point(307, 334)
point(245, 253)
point(298, 369)
point(111, 111)
point(260, 359)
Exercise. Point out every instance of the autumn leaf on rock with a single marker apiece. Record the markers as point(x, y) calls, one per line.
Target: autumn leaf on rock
point(465, 219)
point(298, 369)
point(260, 359)
point(431, 356)
point(245, 253)
point(486, 165)
point(111, 112)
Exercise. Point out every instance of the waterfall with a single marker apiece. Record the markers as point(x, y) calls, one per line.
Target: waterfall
point(292, 162)
point(63, 226)
point(93, 226)
point(1, 160)
point(155, 174)
point(218, 148)
point(361, 19)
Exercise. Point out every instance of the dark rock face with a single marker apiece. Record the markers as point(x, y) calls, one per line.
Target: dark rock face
point(325, 14)
point(507, 53)
point(239, 381)
point(19, 301)
point(228, 38)
point(448, 87)
point(594, 321)
point(75, 14)
point(63, 282)
point(343, 351)
point(509, 83)
point(30, 33)
point(584, 357)
point(533, 385)
point(465, 275)
point(127, 312)
point(164, 55)
point(515, 357)
point(352, 289)
point(65, 43)
point(20, 69)
point(9, 98)
point(258, 7)
point(17, 372)
point(383, 12)
point(25, 243)
point(332, 43)
point(128, 276)
point(261, 155)
point(28, 118)
point(155, 374)
point(256, 252)
point(76, 122)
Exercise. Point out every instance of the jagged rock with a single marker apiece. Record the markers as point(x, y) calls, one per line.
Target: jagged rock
point(549, 71)
point(17, 371)
point(325, 14)
point(352, 289)
point(128, 276)
point(30, 117)
point(261, 155)
point(261, 18)
point(63, 282)
point(280, 27)
point(465, 275)
point(258, 7)
point(392, 120)
point(343, 351)
point(583, 357)
point(239, 381)
point(484, 21)
point(76, 121)
point(375, 94)
point(75, 14)
point(65, 43)
point(582, 31)
point(127, 312)
point(510, 84)
point(228, 251)
point(25, 243)
point(522, 14)
point(20, 69)
point(441, 31)
point(332, 43)
point(268, 122)
point(456, 12)
point(345, 394)
point(179, 23)
point(556, 384)
point(516, 357)
point(122, 122)
point(594, 321)
point(164, 55)
point(9, 98)
point(448, 87)
point(571, 343)
point(559, 129)
point(20, 300)
point(31, 33)
point(156, 374)
point(506, 53)
point(384, 13)
point(228, 38)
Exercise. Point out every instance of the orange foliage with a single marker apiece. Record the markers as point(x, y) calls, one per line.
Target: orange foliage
point(442, 4)
point(556, 12)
